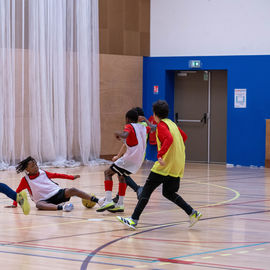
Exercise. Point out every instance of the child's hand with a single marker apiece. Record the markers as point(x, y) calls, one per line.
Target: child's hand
point(76, 176)
point(115, 158)
point(117, 137)
point(141, 118)
point(10, 206)
point(161, 162)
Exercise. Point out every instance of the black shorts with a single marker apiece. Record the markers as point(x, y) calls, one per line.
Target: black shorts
point(120, 171)
point(58, 198)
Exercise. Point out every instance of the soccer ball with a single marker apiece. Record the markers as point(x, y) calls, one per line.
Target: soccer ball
point(88, 203)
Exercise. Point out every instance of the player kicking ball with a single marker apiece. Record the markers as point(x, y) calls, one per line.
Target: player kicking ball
point(167, 170)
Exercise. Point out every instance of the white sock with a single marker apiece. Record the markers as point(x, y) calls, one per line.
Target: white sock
point(121, 200)
point(108, 196)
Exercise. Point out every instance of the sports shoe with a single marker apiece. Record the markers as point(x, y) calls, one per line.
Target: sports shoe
point(116, 198)
point(105, 206)
point(101, 201)
point(128, 221)
point(139, 192)
point(68, 207)
point(23, 202)
point(194, 217)
point(117, 208)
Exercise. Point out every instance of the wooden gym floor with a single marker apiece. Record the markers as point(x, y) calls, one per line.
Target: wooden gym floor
point(234, 232)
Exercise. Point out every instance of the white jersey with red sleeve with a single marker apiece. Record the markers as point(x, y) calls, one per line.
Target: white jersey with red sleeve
point(134, 156)
point(42, 187)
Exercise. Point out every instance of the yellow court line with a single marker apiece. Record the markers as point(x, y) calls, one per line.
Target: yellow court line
point(237, 194)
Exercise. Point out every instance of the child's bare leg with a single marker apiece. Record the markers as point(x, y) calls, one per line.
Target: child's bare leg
point(70, 192)
point(42, 205)
point(109, 174)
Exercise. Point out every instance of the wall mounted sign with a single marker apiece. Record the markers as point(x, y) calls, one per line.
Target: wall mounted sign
point(240, 98)
point(155, 89)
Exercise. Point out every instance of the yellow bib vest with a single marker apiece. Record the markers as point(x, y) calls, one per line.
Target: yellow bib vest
point(175, 157)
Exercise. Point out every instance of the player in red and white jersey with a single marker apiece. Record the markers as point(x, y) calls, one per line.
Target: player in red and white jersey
point(47, 194)
point(134, 136)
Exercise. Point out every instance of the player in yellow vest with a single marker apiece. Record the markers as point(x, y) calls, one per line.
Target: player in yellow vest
point(167, 170)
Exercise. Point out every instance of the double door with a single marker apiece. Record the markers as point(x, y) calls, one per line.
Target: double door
point(201, 111)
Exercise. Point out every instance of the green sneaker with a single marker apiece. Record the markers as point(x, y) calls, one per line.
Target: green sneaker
point(128, 221)
point(23, 202)
point(105, 206)
point(194, 217)
point(117, 208)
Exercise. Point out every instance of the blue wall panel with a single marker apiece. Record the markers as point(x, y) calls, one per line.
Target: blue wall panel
point(245, 127)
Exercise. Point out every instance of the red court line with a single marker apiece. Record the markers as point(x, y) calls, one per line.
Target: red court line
point(151, 258)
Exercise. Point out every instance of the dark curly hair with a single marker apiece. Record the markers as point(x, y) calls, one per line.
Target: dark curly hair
point(139, 110)
point(23, 164)
point(132, 115)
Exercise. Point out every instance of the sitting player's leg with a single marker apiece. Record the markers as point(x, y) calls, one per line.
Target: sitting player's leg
point(44, 205)
point(8, 191)
point(70, 192)
point(56, 202)
point(20, 198)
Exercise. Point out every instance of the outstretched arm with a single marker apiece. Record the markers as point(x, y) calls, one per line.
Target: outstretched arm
point(63, 176)
point(153, 127)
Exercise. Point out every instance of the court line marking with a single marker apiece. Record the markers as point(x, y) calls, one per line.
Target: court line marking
point(237, 194)
point(220, 250)
point(94, 252)
point(62, 258)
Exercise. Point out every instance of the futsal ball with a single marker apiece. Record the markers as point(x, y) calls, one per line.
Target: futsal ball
point(88, 203)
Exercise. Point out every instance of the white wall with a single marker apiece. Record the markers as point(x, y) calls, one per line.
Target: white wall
point(210, 27)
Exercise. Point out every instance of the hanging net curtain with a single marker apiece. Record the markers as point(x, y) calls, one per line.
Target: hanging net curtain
point(49, 82)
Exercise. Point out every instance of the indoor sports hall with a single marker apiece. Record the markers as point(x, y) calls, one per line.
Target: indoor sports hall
point(74, 78)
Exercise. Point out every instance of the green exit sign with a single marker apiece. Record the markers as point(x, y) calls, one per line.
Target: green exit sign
point(194, 63)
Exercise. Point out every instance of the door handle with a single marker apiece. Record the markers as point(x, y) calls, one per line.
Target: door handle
point(203, 120)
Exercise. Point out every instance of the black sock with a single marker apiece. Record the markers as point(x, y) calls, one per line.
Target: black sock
point(130, 182)
point(94, 199)
point(59, 207)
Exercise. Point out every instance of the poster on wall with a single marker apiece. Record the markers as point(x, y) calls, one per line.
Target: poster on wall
point(240, 98)
point(155, 90)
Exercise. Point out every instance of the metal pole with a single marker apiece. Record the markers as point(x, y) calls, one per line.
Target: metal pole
point(209, 116)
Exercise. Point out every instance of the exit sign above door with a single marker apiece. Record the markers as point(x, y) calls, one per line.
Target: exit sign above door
point(194, 64)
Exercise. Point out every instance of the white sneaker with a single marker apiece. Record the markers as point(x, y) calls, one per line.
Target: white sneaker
point(105, 206)
point(101, 201)
point(68, 207)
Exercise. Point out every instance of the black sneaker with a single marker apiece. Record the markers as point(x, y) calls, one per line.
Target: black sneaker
point(116, 198)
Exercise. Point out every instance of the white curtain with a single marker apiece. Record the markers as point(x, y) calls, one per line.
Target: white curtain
point(49, 81)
